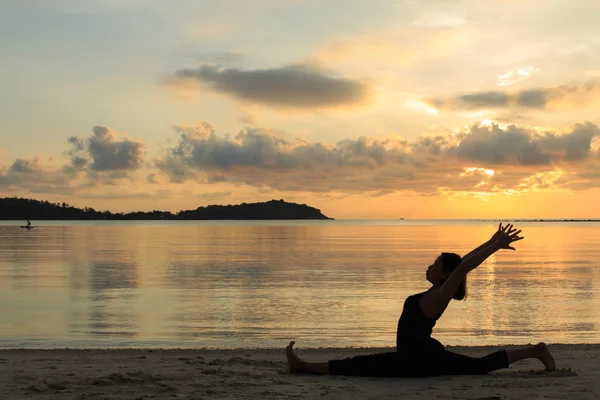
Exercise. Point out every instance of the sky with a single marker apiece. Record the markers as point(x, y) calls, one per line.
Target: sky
point(374, 109)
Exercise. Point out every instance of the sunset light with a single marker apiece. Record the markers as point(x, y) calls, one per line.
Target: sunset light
point(295, 199)
point(369, 114)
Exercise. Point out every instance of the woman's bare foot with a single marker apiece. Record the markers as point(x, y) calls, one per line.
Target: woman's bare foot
point(545, 356)
point(295, 363)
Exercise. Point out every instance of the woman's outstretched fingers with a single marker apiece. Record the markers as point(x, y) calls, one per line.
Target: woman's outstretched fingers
point(508, 235)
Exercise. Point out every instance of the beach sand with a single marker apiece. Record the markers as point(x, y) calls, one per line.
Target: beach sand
point(263, 374)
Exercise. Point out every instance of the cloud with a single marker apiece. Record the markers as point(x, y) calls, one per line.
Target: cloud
point(105, 151)
point(105, 158)
point(458, 162)
point(510, 77)
point(248, 118)
point(34, 176)
point(26, 166)
point(493, 145)
point(481, 160)
point(542, 98)
point(215, 195)
point(294, 86)
point(152, 178)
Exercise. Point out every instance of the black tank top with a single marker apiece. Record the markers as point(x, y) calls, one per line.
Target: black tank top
point(414, 328)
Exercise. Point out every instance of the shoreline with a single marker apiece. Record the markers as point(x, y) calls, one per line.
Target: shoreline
point(269, 349)
point(126, 373)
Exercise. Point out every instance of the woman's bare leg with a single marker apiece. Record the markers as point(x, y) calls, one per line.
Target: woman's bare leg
point(298, 365)
point(539, 351)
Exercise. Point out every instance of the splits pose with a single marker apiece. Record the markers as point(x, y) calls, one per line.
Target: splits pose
point(417, 353)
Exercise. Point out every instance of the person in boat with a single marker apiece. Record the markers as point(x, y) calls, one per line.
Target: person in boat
point(28, 223)
point(417, 353)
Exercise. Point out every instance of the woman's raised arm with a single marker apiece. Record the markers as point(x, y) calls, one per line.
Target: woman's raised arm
point(435, 301)
point(492, 239)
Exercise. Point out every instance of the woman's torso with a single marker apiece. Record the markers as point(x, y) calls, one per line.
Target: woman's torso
point(414, 328)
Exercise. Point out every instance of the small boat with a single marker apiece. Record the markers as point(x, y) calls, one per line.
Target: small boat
point(28, 226)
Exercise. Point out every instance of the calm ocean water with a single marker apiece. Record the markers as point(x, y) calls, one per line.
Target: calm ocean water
point(262, 283)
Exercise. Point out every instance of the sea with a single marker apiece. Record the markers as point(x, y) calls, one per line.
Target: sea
point(260, 284)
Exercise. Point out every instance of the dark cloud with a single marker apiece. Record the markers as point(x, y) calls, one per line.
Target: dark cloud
point(26, 166)
point(105, 151)
point(513, 145)
point(483, 158)
point(537, 98)
point(33, 176)
point(540, 98)
point(152, 178)
point(493, 145)
point(103, 159)
point(264, 159)
point(433, 144)
point(294, 86)
point(199, 148)
point(586, 177)
point(574, 146)
point(485, 99)
point(382, 193)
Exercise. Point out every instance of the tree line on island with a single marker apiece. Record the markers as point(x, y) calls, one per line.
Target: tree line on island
point(13, 208)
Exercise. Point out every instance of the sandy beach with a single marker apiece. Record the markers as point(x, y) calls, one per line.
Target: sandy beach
point(263, 374)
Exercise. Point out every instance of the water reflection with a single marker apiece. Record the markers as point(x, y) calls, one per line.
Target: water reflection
point(324, 284)
point(113, 307)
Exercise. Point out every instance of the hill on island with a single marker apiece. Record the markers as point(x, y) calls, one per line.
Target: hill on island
point(20, 209)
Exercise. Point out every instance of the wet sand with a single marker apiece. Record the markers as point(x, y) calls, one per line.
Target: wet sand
point(263, 374)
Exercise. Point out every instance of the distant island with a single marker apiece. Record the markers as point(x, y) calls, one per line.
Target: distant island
point(21, 209)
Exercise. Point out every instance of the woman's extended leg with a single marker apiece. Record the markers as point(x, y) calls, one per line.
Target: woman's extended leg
point(298, 365)
point(539, 351)
point(382, 364)
point(460, 364)
point(444, 363)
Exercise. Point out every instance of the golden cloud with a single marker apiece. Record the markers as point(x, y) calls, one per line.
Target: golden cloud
point(480, 158)
point(554, 97)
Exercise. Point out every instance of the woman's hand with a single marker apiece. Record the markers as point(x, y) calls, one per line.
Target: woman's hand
point(497, 234)
point(505, 236)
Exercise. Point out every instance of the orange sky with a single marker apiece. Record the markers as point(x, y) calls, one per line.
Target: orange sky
point(375, 110)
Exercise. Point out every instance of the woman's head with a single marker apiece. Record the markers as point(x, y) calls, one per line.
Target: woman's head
point(443, 266)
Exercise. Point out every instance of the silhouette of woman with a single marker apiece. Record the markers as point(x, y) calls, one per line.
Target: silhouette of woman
point(417, 353)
